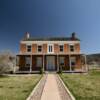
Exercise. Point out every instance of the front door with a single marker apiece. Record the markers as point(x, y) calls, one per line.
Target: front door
point(50, 63)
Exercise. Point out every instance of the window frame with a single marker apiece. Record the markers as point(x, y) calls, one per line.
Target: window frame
point(73, 60)
point(72, 50)
point(62, 48)
point(27, 59)
point(61, 59)
point(27, 49)
point(38, 48)
point(38, 63)
point(50, 48)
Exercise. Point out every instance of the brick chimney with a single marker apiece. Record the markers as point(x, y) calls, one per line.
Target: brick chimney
point(27, 36)
point(73, 35)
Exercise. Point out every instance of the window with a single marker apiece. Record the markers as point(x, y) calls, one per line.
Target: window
point(39, 48)
point(39, 61)
point(73, 61)
point(61, 47)
point(72, 48)
point(50, 48)
point(61, 60)
point(29, 48)
point(28, 61)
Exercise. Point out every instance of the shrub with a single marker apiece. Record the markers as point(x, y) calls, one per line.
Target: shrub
point(60, 68)
point(6, 64)
point(41, 70)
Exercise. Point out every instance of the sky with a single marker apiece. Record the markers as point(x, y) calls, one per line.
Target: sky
point(50, 18)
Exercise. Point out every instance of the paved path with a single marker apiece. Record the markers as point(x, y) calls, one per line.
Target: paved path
point(51, 91)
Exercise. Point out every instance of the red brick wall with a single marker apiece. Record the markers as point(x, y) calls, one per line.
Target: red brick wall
point(56, 48)
point(22, 48)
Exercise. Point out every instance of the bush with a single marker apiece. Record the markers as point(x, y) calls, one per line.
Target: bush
point(41, 70)
point(60, 70)
point(6, 63)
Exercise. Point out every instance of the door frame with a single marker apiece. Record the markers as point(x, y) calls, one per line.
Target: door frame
point(53, 69)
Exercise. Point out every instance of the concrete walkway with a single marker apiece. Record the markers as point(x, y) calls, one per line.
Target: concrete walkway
point(51, 91)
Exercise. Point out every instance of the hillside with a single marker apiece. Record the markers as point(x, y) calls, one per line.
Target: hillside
point(93, 59)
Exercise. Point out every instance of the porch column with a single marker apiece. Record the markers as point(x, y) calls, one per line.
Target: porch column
point(57, 64)
point(43, 62)
point(30, 63)
point(86, 63)
point(70, 63)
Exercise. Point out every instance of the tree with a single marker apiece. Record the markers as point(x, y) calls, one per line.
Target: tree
point(6, 62)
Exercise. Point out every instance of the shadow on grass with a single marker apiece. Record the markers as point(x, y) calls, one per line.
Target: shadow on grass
point(4, 76)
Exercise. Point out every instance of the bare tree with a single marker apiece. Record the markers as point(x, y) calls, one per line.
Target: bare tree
point(7, 61)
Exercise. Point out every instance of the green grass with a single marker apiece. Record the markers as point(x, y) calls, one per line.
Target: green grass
point(83, 86)
point(17, 87)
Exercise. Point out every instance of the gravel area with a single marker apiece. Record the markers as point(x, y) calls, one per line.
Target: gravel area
point(38, 92)
point(63, 93)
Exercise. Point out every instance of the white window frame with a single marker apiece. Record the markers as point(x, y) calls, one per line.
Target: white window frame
point(41, 48)
point(52, 48)
point(27, 48)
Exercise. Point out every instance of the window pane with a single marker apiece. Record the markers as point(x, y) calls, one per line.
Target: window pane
point(39, 48)
point(61, 48)
point(28, 61)
point(71, 48)
point(39, 61)
point(29, 48)
point(51, 48)
point(62, 60)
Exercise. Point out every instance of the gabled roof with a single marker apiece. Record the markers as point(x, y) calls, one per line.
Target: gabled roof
point(51, 39)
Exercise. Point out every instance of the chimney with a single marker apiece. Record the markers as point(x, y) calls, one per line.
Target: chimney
point(27, 35)
point(73, 35)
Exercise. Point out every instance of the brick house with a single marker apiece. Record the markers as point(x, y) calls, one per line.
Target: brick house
point(50, 54)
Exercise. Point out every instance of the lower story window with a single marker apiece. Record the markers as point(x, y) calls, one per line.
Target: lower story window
point(73, 61)
point(61, 60)
point(39, 61)
point(28, 61)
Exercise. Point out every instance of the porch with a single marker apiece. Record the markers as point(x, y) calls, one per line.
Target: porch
point(69, 63)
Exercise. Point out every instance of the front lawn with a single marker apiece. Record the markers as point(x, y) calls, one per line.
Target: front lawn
point(17, 87)
point(83, 86)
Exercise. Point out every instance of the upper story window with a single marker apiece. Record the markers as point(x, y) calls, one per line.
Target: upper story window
point(50, 48)
point(29, 48)
point(72, 48)
point(61, 48)
point(39, 48)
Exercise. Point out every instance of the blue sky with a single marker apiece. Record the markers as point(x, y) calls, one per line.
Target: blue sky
point(44, 18)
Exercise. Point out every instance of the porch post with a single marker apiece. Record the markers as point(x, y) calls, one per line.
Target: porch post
point(57, 64)
point(30, 63)
point(43, 62)
point(70, 63)
point(86, 63)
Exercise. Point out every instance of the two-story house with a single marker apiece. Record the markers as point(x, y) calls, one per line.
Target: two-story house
point(50, 54)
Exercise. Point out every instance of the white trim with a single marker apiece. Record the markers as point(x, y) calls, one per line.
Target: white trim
point(49, 42)
point(52, 48)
